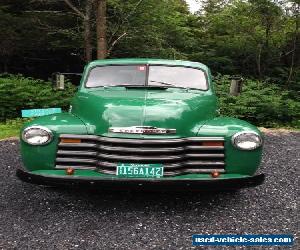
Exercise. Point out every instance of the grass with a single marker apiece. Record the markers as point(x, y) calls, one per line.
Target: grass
point(11, 128)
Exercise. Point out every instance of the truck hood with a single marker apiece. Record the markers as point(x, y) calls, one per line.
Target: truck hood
point(171, 108)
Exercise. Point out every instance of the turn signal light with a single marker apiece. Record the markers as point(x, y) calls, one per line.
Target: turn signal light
point(212, 143)
point(215, 174)
point(70, 171)
point(70, 140)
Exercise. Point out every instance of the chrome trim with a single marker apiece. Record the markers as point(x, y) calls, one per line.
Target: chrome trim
point(204, 163)
point(178, 155)
point(141, 150)
point(146, 149)
point(172, 165)
point(246, 132)
point(79, 153)
point(138, 158)
point(204, 155)
point(37, 127)
point(76, 160)
point(77, 145)
point(145, 130)
point(139, 140)
point(204, 147)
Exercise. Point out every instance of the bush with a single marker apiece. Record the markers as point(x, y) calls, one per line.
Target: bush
point(18, 92)
point(260, 103)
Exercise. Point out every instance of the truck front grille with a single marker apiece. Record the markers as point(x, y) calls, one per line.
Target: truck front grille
point(178, 156)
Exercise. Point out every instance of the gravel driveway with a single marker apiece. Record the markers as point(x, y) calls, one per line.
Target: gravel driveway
point(33, 217)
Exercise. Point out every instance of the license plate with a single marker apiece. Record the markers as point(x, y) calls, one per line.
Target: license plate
point(131, 170)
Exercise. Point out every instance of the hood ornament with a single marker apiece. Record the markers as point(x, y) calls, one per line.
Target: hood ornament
point(146, 130)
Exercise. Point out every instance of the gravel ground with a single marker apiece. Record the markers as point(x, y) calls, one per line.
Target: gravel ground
point(33, 217)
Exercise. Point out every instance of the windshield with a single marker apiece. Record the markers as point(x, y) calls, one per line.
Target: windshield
point(177, 77)
point(117, 75)
point(136, 75)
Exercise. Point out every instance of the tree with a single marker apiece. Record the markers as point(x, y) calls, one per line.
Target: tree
point(101, 28)
point(295, 10)
point(154, 28)
point(86, 17)
point(256, 38)
point(213, 6)
point(9, 39)
point(267, 13)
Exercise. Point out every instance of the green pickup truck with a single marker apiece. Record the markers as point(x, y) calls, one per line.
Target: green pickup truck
point(142, 123)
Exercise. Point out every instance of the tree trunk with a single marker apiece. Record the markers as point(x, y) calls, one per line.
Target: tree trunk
point(258, 61)
point(291, 70)
point(266, 57)
point(87, 32)
point(101, 29)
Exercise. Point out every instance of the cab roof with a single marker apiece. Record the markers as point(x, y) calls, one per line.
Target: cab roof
point(127, 61)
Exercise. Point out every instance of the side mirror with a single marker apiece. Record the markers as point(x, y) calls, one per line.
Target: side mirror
point(236, 85)
point(58, 80)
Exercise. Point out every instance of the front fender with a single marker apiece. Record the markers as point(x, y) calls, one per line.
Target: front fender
point(237, 161)
point(43, 157)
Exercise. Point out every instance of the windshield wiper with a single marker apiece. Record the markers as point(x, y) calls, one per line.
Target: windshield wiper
point(125, 85)
point(165, 83)
point(169, 85)
point(138, 86)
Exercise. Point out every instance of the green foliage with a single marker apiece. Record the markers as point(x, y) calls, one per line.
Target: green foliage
point(259, 104)
point(156, 29)
point(255, 38)
point(18, 92)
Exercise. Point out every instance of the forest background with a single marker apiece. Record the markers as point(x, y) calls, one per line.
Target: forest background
point(256, 39)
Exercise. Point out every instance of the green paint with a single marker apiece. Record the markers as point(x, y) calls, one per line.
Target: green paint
point(43, 157)
point(93, 174)
point(190, 112)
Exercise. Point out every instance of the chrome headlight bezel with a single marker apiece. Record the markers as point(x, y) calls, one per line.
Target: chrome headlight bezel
point(235, 137)
point(44, 129)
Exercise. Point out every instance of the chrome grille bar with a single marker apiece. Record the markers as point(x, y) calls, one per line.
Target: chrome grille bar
point(140, 141)
point(217, 165)
point(76, 153)
point(179, 156)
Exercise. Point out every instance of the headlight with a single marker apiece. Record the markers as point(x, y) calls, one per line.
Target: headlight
point(37, 135)
point(246, 140)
